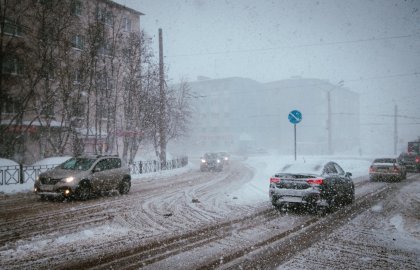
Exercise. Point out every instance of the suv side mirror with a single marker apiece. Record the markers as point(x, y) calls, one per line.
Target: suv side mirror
point(96, 169)
point(349, 174)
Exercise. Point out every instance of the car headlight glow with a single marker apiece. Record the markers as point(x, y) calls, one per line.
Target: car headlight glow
point(69, 179)
point(203, 160)
point(218, 161)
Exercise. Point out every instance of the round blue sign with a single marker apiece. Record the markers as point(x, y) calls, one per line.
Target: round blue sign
point(295, 116)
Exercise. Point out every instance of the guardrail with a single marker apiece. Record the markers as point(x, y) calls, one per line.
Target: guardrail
point(20, 174)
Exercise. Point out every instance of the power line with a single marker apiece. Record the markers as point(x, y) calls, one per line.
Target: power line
point(320, 44)
point(321, 83)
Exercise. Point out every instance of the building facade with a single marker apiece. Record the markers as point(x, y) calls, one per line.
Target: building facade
point(244, 116)
point(63, 70)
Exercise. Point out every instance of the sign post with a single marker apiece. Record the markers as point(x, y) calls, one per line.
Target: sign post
point(295, 117)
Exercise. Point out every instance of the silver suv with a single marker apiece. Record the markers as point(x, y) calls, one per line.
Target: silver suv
point(81, 177)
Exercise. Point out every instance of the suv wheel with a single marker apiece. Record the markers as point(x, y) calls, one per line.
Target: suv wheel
point(83, 192)
point(124, 186)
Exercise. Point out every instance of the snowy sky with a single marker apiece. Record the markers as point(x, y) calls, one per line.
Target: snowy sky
point(372, 46)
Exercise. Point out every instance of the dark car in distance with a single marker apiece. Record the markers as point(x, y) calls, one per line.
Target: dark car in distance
point(387, 169)
point(411, 161)
point(211, 162)
point(317, 186)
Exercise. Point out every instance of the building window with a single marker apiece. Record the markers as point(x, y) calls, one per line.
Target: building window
point(109, 83)
point(48, 71)
point(76, 8)
point(79, 109)
point(47, 3)
point(11, 106)
point(127, 25)
point(77, 42)
point(103, 110)
point(105, 49)
point(12, 28)
point(104, 82)
point(104, 16)
point(78, 77)
point(12, 65)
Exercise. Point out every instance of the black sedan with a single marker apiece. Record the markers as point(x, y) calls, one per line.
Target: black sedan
point(317, 186)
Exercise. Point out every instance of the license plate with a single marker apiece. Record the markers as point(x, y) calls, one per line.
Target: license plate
point(292, 193)
point(291, 199)
point(48, 188)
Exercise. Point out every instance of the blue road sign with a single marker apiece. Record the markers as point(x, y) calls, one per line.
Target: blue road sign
point(295, 117)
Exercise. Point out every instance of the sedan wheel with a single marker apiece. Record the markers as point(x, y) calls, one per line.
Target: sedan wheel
point(124, 187)
point(350, 198)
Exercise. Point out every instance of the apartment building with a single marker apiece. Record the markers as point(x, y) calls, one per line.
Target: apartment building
point(64, 64)
point(245, 116)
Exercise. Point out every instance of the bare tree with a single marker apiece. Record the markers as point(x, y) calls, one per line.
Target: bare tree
point(51, 23)
point(177, 114)
point(137, 93)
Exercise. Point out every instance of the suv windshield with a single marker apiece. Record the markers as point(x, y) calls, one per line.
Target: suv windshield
point(81, 164)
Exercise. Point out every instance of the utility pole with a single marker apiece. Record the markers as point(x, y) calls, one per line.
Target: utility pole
point(395, 128)
point(329, 117)
point(329, 123)
point(162, 102)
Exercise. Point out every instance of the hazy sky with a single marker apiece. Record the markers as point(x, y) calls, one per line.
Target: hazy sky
point(373, 46)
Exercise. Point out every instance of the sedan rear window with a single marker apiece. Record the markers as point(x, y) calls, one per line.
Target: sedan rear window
point(385, 160)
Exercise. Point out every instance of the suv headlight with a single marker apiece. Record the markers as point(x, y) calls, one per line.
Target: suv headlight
point(68, 179)
point(203, 160)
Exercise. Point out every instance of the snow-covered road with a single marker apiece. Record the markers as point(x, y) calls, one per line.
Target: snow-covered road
point(189, 220)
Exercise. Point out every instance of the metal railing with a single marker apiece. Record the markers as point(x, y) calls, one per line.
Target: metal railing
point(140, 167)
point(20, 174)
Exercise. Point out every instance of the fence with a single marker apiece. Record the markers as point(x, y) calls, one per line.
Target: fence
point(20, 174)
point(141, 167)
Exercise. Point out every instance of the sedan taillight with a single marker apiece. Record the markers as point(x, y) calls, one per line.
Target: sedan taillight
point(315, 181)
point(274, 180)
